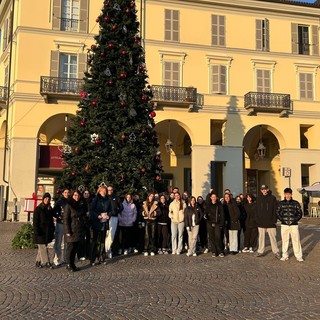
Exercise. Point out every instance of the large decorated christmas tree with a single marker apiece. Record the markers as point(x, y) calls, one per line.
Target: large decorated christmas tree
point(112, 138)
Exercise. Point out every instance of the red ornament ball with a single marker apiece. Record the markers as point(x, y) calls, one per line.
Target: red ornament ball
point(157, 178)
point(76, 149)
point(136, 40)
point(143, 170)
point(141, 68)
point(122, 75)
point(132, 4)
point(82, 124)
point(73, 173)
point(102, 53)
point(98, 141)
point(114, 27)
point(93, 47)
point(110, 83)
point(122, 104)
point(107, 4)
point(107, 19)
point(123, 52)
point(123, 137)
point(58, 191)
point(86, 168)
point(94, 103)
point(97, 20)
point(110, 45)
point(127, 10)
point(83, 94)
point(152, 114)
point(144, 98)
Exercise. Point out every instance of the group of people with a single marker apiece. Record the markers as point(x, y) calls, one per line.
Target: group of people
point(98, 227)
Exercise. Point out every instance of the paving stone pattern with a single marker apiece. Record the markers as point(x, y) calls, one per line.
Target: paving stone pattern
point(163, 287)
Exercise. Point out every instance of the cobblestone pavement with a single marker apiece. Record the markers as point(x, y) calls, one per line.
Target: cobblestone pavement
point(163, 287)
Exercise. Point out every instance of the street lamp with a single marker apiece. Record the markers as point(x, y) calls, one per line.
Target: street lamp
point(169, 143)
point(261, 148)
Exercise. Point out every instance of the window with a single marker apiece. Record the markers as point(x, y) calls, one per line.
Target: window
point(305, 39)
point(219, 79)
point(263, 80)
point(306, 86)
point(68, 70)
point(5, 35)
point(171, 23)
point(262, 35)
point(70, 15)
point(216, 135)
point(6, 76)
point(218, 30)
point(171, 73)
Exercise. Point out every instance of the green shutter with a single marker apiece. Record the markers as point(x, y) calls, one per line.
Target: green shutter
point(84, 16)
point(315, 40)
point(56, 14)
point(54, 64)
point(294, 38)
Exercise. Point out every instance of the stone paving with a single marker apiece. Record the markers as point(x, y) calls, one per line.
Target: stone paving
point(163, 287)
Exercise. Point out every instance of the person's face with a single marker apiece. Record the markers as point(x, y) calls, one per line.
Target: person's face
point(238, 199)
point(46, 201)
point(172, 195)
point(175, 190)
point(177, 196)
point(200, 200)
point(227, 197)
point(193, 201)
point(128, 197)
point(76, 196)
point(288, 196)
point(86, 194)
point(66, 193)
point(151, 197)
point(249, 199)
point(110, 190)
point(213, 198)
point(162, 199)
point(156, 196)
point(185, 196)
point(264, 191)
point(103, 192)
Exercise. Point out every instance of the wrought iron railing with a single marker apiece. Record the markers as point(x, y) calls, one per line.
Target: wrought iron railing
point(54, 85)
point(174, 94)
point(3, 93)
point(69, 24)
point(200, 100)
point(272, 101)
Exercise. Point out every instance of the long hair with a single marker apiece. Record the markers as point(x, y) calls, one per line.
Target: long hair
point(180, 200)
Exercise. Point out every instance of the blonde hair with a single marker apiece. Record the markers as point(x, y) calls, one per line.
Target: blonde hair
point(101, 188)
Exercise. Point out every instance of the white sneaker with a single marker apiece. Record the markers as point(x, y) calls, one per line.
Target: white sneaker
point(188, 254)
point(160, 251)
point(284, 259)
point(245, 250)
point(178, 253)
point(206, 250)
point(110, 255)
point(152, 254)
point(300, 259)
point(194, 255)
point(251, 250)
point(125, 252)
point(145, 254)
point(82, 259)
point(135, 250)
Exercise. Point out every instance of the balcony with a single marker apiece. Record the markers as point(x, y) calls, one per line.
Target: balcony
point(184, 97)
point(267, 102)
point(60, 88)
point(3, 97)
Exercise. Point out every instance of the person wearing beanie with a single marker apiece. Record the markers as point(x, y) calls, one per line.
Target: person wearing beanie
point(43, 228)
point(289, 213)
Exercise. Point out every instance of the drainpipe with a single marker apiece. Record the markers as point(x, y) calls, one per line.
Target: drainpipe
point(142, 21)
point(7, 117)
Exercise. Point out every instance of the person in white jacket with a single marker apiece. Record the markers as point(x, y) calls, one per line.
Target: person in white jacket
point(127, 217)
point(176, 214)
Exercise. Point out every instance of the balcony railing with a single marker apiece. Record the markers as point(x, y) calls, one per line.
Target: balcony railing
point(54, 87)
point(179, 96)
point(3, 96)
point(69, 24)
point(267, 102)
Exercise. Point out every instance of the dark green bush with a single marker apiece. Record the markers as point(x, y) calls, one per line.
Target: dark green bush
point(24, 238)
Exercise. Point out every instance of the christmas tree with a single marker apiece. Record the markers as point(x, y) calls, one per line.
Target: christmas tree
point(112, 138)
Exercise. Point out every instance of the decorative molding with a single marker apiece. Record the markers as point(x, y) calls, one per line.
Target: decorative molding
point(221, 59)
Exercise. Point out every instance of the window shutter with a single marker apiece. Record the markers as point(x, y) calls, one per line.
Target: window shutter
point(315, 40)
point(302, 85)
point(267, 33)
point(258, 34)
point(56, 14)
point(83, 16)
point(259, 80)
point(309, 86)
point(266, 81)
point(5, 36)
point(294, 38)
point(54, 64)
point(175, 25)
point(214, 29)
point(223, 79)
point(215, 79)
point(222, 31)
point(82, 65)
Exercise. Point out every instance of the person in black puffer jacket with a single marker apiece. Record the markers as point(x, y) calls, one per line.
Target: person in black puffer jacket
point(163, 223)
point(74, 222)
point(289, 213)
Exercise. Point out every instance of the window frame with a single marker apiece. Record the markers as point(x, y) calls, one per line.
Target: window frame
point(171, 31)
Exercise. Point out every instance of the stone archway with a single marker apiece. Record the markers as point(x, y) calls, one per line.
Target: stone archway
point(262, 170)
point(176, 160)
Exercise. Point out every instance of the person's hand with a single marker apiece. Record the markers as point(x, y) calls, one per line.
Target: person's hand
point(68, 234)
point(188, 228)
point(99, 216)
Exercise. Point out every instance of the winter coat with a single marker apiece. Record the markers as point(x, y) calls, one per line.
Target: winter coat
point(214, 214)
point(289, 212)
point(231, 210)
point(192, 216)
point(43, 226)
point(150, 213)
point(116, 205)
point(128, 215)
point(250, 209)
point(164, 213)
point(100, 205)
point(175, 213)
point(74, 221)
point(58, 209)
point(266, 216)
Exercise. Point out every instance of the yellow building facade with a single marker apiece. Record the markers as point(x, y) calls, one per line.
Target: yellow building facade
point(235, 88)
